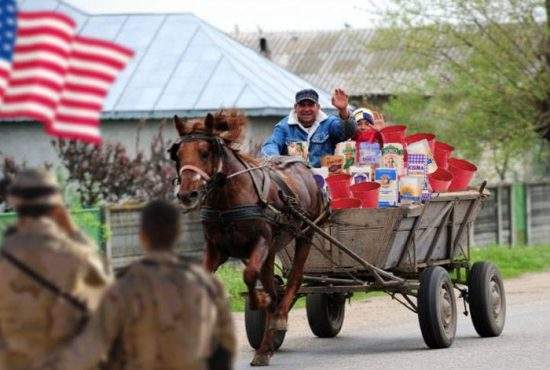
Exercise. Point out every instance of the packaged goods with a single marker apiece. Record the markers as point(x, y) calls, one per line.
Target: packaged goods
point(393, 157)
point(426, 191)
point(368, 153)
point(298, 149)
point(417, 164)
point(410, 189)
point(347, 150)
point(320, 174)
point(360, 174)
point(334, 163)
point(423, 147)
point(387, 178)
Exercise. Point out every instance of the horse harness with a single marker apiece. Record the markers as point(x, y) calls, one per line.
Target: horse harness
point(261, 177)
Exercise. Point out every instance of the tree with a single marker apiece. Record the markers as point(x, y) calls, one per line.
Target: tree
point(106, 173)
point(485, 65)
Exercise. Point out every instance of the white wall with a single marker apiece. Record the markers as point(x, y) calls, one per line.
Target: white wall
point(27, 142)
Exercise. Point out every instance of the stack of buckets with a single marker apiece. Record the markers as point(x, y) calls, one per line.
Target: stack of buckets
point(346, 195)
point(452, 174)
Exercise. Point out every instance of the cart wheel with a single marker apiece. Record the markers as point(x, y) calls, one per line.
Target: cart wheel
point(487, 299)
point(325, 313)
point(437, 307)
point(254, 322)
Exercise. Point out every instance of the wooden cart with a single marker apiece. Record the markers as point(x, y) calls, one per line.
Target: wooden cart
point(418, 254)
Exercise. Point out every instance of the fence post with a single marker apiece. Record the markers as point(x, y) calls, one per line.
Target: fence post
point(512, 214)
point(499, 214)
point(527, 214)
point(107, 230)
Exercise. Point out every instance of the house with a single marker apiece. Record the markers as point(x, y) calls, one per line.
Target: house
point(182, 66)
point(338, 58)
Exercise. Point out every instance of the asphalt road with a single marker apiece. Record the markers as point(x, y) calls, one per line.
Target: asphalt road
point(380, 334)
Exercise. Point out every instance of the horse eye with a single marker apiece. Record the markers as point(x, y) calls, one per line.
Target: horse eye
point(204, 154)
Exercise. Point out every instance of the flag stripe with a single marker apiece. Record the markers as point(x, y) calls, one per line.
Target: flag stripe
point(58, 78)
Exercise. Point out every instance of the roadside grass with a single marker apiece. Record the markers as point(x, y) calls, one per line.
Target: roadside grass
point(512, 262)
point(516, 260)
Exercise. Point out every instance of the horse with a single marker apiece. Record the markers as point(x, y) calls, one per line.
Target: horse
point(244, 211)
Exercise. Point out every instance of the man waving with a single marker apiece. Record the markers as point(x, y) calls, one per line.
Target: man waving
point(307, 126)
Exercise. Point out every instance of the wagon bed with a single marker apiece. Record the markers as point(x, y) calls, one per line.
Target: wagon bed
point(419, 254)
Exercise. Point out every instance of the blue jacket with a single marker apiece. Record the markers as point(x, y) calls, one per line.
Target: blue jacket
point(325, 133)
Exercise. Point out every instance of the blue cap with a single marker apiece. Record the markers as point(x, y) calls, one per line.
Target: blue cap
point(307, 94)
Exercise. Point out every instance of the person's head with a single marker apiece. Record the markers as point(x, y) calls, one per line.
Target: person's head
point(364, 118)
point(34, 193)
point(159, 226)
point(307, 106)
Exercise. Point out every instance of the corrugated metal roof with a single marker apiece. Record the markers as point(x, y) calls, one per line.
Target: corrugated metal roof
point(341, 58)
point(185, 66)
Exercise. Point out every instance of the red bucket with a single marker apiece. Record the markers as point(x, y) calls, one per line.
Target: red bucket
point(421, 136)
point(440, 180)
point(463, 172)
point(368, 192)
point(338, 185)
point(343, 203)
point(394, 134)
point(442, 153)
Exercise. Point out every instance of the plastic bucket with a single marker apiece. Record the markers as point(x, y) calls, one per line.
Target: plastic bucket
point(420, 136)
point(343, 203)
point(338, 186)
point(394, 134)
point(463, 172)
point(442, 153)
point(440, 180)
point(368, 192)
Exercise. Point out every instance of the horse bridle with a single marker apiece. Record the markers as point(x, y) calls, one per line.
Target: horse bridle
point(210, 181)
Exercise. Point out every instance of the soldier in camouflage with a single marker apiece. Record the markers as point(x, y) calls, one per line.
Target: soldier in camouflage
point(51, 275)
point(163, 313)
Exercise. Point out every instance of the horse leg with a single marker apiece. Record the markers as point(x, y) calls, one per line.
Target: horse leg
point(262, 355)
point(213, 258)
point(301, 252)
point(258, 299)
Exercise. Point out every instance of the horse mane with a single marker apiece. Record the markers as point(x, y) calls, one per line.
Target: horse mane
point(229, 125)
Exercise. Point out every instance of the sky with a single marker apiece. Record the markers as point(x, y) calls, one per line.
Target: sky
point(255, 15)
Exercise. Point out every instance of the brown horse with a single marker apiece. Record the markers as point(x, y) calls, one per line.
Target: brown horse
point(243, 204)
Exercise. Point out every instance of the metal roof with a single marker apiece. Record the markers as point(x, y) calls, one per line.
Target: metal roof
point(183, 65)
point(341, 58)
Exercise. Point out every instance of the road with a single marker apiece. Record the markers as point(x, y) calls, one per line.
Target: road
point(380, 334)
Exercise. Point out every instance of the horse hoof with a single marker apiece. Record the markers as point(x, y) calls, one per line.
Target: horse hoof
point(260, 360)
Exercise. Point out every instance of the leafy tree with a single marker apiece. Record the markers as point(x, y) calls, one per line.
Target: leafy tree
point(106, 173)
point(485, 65)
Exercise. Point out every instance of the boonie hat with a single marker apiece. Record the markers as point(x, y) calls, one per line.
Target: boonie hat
point(34, 187)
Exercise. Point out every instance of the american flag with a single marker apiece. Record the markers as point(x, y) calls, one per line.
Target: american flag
point(50, 74)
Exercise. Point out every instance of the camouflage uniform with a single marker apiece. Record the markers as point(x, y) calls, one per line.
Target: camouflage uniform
point(162, 314)
point(33, 319)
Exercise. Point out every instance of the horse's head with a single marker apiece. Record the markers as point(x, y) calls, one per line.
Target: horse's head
point(200, 153)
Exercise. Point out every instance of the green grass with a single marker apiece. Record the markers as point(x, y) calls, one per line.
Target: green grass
point(232, 278)
point(512, 262)
point(515, 261)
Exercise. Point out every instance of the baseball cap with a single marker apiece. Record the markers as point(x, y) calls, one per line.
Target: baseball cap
point(307, 94)
point(363, 113)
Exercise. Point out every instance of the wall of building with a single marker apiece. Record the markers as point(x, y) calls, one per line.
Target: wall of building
point(27, 142)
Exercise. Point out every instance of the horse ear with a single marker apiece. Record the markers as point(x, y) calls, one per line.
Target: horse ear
point(180, 125)
point(209, 122)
